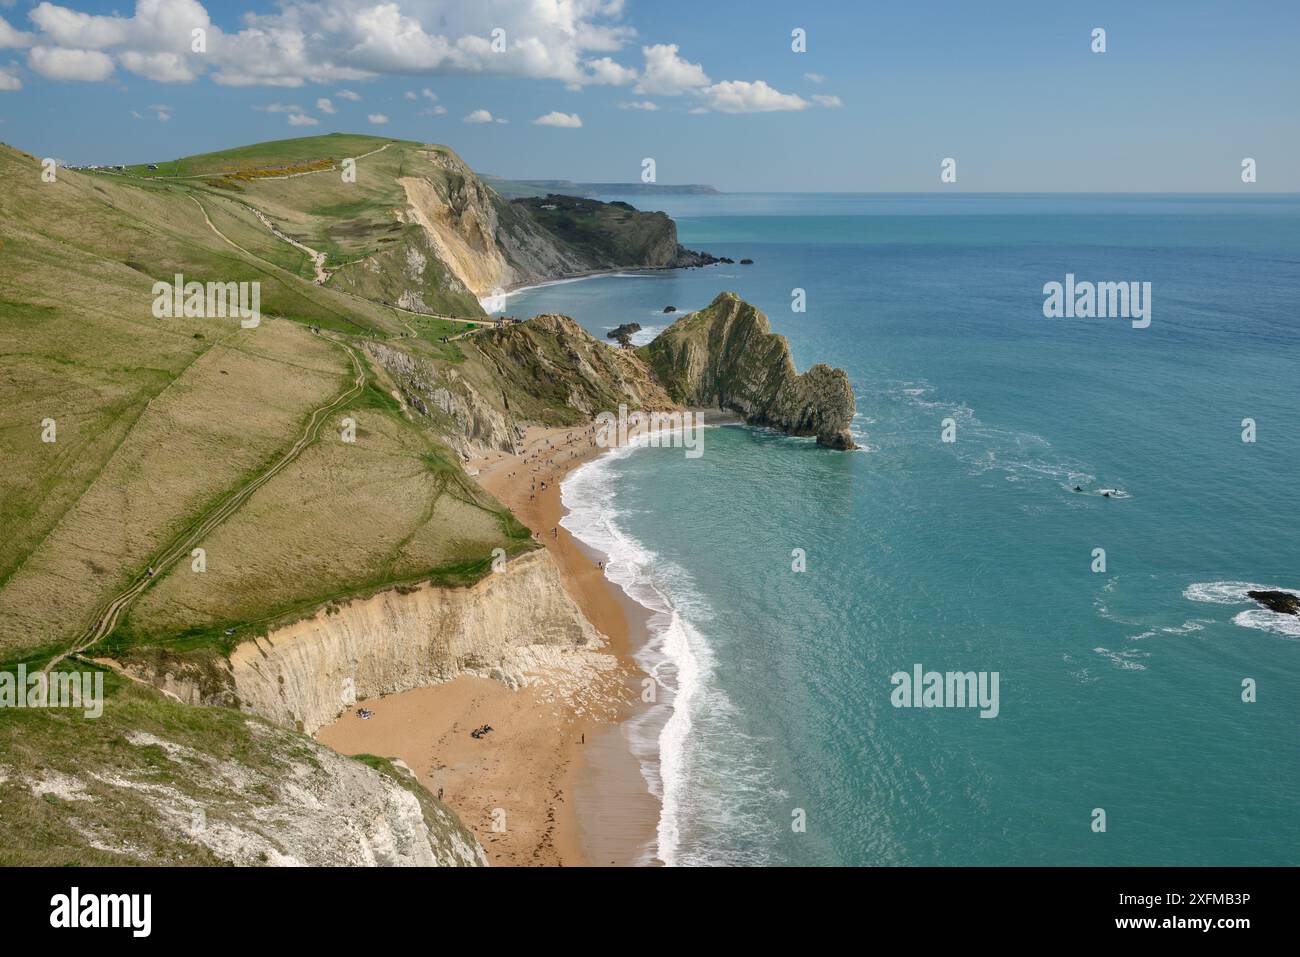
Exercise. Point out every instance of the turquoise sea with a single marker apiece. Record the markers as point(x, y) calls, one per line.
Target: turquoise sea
point(1120, 689)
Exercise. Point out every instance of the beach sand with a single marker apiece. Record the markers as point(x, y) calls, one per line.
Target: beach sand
point(554, 769)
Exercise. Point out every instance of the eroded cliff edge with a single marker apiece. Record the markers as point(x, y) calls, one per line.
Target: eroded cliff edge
point(514, 623)
point(727, 356)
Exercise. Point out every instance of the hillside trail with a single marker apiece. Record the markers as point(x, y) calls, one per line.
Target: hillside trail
point(309, 172)
point(322, 274)
point(108, 616)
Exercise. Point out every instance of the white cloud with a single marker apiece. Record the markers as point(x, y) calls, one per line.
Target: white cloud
point(10, 37)
point(159, 67)
point(71, 28)
point(606, 72)
point(162, 113)
point(9, 79)
point(296, 42)
point(302, 119)
point(667, 73)
point(60, 63)
point(814, 77)
point(377, 119)
point(822, 99)
point(325, 106)
point(479, 116)
point(279, 108)
point(568, 121)
point(646, 105)
point(741, 96)
point(437, 110)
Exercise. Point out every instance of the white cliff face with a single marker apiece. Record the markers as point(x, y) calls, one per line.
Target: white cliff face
point(466, 231)
point(514, 623)
point(313, 809)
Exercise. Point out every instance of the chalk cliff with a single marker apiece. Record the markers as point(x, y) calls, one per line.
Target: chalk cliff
point(513, 623)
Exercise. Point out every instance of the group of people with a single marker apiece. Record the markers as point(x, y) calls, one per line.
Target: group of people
point(541, 462)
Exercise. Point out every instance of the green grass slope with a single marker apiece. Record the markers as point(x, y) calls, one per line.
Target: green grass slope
point(160, 421)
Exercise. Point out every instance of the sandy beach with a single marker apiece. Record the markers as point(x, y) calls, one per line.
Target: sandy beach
point(553, 783)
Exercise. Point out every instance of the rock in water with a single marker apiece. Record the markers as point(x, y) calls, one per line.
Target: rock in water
point(624, 332)
point(727, 356)
point(747, 262)
point(1282, 602)
point(668, 309)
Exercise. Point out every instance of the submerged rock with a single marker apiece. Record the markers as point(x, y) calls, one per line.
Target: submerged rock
point(1282, 602)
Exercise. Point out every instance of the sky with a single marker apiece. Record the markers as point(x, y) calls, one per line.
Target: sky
point(715, 92)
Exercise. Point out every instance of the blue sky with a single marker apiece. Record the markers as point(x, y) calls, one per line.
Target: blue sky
point(884, 92)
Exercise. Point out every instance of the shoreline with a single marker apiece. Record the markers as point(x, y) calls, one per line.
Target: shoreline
point(556, 767)
point(563, 280)
point(629, 271)
point(613, 817)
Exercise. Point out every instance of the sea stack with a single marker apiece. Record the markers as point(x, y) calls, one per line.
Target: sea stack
point(727, 356)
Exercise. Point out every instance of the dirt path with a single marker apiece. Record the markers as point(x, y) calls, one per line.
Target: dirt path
point(108, 617)
point(322, 274)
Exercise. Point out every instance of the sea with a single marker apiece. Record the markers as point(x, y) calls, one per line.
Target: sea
point(1066, 511)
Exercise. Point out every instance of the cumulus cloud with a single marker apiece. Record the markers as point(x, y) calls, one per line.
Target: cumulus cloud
point(9, 79)
point(302, 119)
point(568, 121)
point(62, 63)
point(11, 37)
point(667, 73)
point(377, 119)
point(646, 105)
point(162, 112)
point(296, 42)
point(159, 67)
point(741, 96)
point(607, 72)
point(325, 106)
point(279, 108)
point(814, 78)
point(437, 110)
point(830, 101)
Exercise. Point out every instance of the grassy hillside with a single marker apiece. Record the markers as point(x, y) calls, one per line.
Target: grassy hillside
point(161, 422)
point(299, 152)
point(207, 482)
